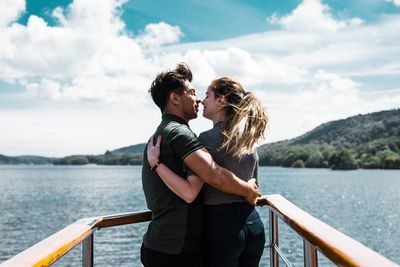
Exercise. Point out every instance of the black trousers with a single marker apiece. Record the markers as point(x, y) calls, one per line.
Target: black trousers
point(233, 235)
point(152, 258)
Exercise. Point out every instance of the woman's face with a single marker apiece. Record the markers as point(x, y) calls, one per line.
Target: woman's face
point(212, 105)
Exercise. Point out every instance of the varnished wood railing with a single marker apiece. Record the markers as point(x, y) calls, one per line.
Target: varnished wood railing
point(318, 238)
point(54, 247)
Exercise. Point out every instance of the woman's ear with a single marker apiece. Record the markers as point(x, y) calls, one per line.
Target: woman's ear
point(221, 100)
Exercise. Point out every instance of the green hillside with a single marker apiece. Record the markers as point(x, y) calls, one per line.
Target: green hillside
point(108, 158)
point(362, 141)
point(139, 148)
point(130, 155)
point(34, 160)
point(355, 130)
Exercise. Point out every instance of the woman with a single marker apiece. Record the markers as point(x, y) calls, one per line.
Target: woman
point(233, 231)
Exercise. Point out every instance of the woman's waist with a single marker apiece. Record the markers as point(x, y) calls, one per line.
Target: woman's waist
point(229, 209)
point(212, 196)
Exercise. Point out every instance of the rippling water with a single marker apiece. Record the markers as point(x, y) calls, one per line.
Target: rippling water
point(37, 201)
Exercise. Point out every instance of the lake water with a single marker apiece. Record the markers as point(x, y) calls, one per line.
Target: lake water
point(37, 201)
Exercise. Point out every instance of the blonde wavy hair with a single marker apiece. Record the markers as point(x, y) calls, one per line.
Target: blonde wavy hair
point(246, 119)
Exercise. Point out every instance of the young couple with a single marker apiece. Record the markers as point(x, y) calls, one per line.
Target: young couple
point(202, 191)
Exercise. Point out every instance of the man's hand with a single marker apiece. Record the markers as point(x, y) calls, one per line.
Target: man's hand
point(254, 192)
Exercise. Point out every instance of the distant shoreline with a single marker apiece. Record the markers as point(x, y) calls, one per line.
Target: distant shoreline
point(370, 141)
point(104, 165)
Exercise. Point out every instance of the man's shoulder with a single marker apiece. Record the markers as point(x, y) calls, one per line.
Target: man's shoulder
point(166, 127)
point(173, 128)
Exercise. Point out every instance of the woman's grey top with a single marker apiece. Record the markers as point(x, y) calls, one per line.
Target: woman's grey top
point(245, 168)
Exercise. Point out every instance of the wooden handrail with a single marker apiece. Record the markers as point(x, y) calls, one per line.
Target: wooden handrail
point(49, 250)
point(336, 246)
point(124, 218)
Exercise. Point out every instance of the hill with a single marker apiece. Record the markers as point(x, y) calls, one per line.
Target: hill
point(130, 155)
point(362, 141)
point(139, 148)
point(34, 160)
point(355, 130)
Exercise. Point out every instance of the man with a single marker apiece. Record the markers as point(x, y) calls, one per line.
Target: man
point(173, 237)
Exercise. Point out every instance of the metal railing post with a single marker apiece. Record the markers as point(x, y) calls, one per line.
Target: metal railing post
point(273, 239)
point(87, 251)
point(310, 254)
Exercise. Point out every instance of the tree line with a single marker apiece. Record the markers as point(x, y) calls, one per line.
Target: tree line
point(109, 158)
point(382, 153)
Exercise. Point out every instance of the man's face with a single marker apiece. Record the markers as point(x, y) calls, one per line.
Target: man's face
point(190, 102)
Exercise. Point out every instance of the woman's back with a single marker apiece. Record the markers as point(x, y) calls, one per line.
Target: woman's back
point(245, 167)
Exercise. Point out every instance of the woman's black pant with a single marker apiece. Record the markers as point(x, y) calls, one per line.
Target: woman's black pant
point(233, 235)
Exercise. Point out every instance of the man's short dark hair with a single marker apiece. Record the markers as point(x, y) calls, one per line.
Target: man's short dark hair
point(170, 81)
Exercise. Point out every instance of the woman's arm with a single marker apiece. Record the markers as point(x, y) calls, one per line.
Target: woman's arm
point(187, 189)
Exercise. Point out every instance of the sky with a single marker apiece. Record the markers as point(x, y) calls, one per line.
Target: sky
point(74, 75)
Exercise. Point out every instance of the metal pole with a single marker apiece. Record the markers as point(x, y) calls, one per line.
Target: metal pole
point(310, 254)
point(87, 252)
point(273, 239)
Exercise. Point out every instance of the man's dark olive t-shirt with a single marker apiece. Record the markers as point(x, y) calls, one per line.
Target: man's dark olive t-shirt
point(175, 224)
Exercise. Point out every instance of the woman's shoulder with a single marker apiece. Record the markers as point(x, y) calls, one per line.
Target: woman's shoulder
point(205, 134)
point(211, 138)
point(212, 133)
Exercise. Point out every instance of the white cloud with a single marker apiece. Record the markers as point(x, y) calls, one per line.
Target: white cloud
point(45, 88)
point(98, 74)
point(10, 11)
point(328, 97)
point(158, 34)
point(92, 17)
point(88, 55)
point(104, 63)
point(64, 130)
point(396, 2)
point(355, 22)
point(312, 15)
point(242, 65)
point(307, 80)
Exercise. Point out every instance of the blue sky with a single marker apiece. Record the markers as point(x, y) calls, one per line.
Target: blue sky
point(74, 74)
point(215, 20)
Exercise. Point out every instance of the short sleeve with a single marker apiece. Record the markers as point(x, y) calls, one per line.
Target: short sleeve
point(183, 141)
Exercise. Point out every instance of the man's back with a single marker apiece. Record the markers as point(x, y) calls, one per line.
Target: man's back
point(175, 224)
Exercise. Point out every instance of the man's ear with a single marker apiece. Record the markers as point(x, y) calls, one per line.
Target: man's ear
point(174, 98)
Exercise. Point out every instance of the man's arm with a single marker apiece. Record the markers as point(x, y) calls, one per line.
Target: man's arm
point(187, 189)
point(202, 163)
